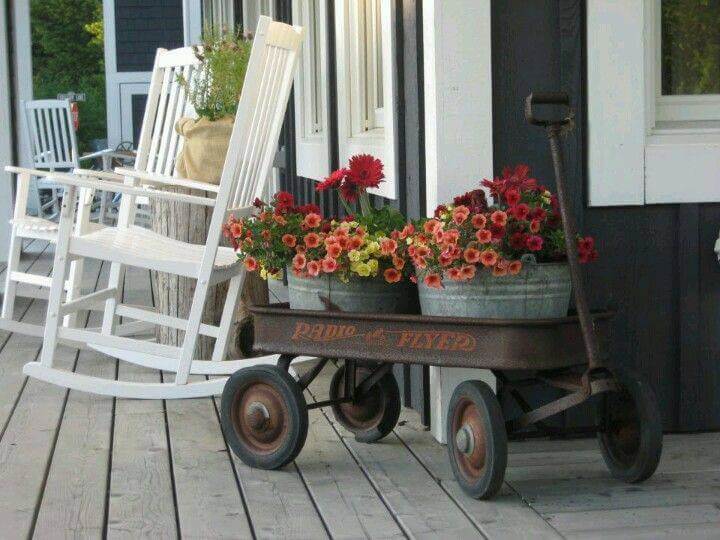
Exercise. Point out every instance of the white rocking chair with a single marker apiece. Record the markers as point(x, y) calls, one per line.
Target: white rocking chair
point(252, 146)
point(53, 145)
point(56, 148)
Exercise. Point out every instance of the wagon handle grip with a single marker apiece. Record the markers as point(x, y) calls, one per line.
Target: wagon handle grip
point(548, 98)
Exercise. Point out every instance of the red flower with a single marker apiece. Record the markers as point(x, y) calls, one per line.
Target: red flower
point(392, 275)
point(334, 250)
point(306, 209)
point(236, 229)
point(535, 226)
point(289, 240)
point(284, 201)
point(388, 246)
point(349, 192)
point(333, 180)
point(299, 261)
point(497, 232)
point(408, 230)
point(586, 244)
point(460, 214)
point(475, 200)
point(454, 274)
point(521, 211)
point(433, 281)
point(534, 243)
point(512, 196)
point(517, 240)
point(257, 203)
point(471, 255)
point(365, 170)
point(441, 209)
point(538, 213)
point(251, 264)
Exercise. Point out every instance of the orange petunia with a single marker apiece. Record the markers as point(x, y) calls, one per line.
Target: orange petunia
point(431, 226)
point(514, 268)
point(454, 274)
point(479, 221)
point(313, 268)
point(488, 257)
point(251, 264)
point(535, 226)
point(500, 269)
point(398, 262)
point(460, 214)
point(355, 242)
point(467, 271)
point(279, 219)
point(236, 229)
point(388, 246)
point(434, 281)
point(329, 265)
point(299, 261)
point(289, 240)
point(392, 275)
point(312, 240)
point(499, 218)
point(312, 220)
point(334, 250)
point(484, 236)
point(471, 255)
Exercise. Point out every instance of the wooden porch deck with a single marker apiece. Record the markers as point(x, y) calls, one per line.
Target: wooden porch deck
point(83, 466)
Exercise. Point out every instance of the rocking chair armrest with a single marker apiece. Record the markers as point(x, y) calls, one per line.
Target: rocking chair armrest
point(104, 185)
point(125, 154)
point(103, 175)
point(161, 179)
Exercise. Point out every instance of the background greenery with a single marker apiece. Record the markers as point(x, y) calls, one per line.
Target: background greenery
point(67, 55)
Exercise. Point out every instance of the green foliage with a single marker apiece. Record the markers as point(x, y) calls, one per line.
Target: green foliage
point(691, 46)
point(67, 56)
point(215, 91)
point(382, 220)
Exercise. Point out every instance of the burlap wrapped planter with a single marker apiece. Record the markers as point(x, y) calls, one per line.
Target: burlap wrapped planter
point(204, 148)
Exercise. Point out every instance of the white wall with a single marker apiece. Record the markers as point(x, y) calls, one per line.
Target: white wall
point(458, 133)
point(6, 136)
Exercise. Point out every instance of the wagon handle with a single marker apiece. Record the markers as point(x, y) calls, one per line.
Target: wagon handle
point(548, 98)
point(554, 128)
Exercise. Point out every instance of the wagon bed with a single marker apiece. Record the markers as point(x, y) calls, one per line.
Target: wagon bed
point(537, 344)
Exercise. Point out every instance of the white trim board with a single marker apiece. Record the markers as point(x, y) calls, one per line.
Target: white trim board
point(6, 137)
point(457, 94)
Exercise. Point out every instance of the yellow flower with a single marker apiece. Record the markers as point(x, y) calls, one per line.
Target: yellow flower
point(372, 247)
point(354, 255)
point(362, 269)
point(373, 264)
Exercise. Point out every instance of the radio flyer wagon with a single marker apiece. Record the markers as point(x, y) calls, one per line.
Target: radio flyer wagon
point(265, 415)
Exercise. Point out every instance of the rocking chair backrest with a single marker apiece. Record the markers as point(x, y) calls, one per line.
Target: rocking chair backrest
point(50, 134)
point(261, 112)
point(167, 102)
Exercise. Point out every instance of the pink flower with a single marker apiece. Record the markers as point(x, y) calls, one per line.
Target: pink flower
point(313, 268)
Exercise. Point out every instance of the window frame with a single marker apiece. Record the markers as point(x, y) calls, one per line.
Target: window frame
point(312, 145)
point(632, 158)
point(351, 91)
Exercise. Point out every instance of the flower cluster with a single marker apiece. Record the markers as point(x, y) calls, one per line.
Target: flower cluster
point(468, 235)
point(282, 234)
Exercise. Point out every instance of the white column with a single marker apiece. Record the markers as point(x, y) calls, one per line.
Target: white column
point(192, 22)
point(458, 133)
point(6, 136)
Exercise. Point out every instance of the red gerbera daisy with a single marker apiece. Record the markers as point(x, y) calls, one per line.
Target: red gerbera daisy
point(333, 180)
point(365, 170)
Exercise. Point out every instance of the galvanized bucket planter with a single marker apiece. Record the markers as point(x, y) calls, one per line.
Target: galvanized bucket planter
point(539, 291)
point(358, 296)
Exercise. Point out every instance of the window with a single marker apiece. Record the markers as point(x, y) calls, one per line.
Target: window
point(366, 83)
point(311, 91)
point(219, 14)
point(653, 74)
point(687, 65)
point(252, 9)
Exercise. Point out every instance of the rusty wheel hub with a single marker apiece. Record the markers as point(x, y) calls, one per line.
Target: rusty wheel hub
point(260, 417)
point(470, 444)
point(366, 412)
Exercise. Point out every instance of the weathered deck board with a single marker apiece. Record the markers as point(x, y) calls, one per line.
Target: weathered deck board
point(348, 503)
point(208, 500)
point(73, 502)
point(27, 445)
point(141, 501)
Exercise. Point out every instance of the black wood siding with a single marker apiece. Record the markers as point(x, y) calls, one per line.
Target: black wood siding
point(141, 27)
point(657, 265)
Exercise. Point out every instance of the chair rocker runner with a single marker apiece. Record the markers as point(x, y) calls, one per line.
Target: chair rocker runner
point(252, 146)
point(53, 145)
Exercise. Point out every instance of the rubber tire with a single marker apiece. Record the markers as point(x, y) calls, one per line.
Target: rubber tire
point(297, 412)
point(496, 446)
point(391, 414)
point(642, 465)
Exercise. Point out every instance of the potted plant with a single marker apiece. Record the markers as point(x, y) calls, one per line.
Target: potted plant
point(353, 264)
point(214, 92)
point(501, 261)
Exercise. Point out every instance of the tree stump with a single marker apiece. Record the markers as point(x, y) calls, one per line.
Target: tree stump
point(174, 294)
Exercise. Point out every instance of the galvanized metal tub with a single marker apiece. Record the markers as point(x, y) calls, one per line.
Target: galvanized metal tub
point(357, 296)
point(539, 291)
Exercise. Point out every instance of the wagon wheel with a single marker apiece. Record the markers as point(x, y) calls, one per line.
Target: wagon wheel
point(372, 416)
point(476, 439)
point(630, 434)
point(264, 416)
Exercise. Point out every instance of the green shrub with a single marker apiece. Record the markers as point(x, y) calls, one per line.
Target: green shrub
point(214, 92)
